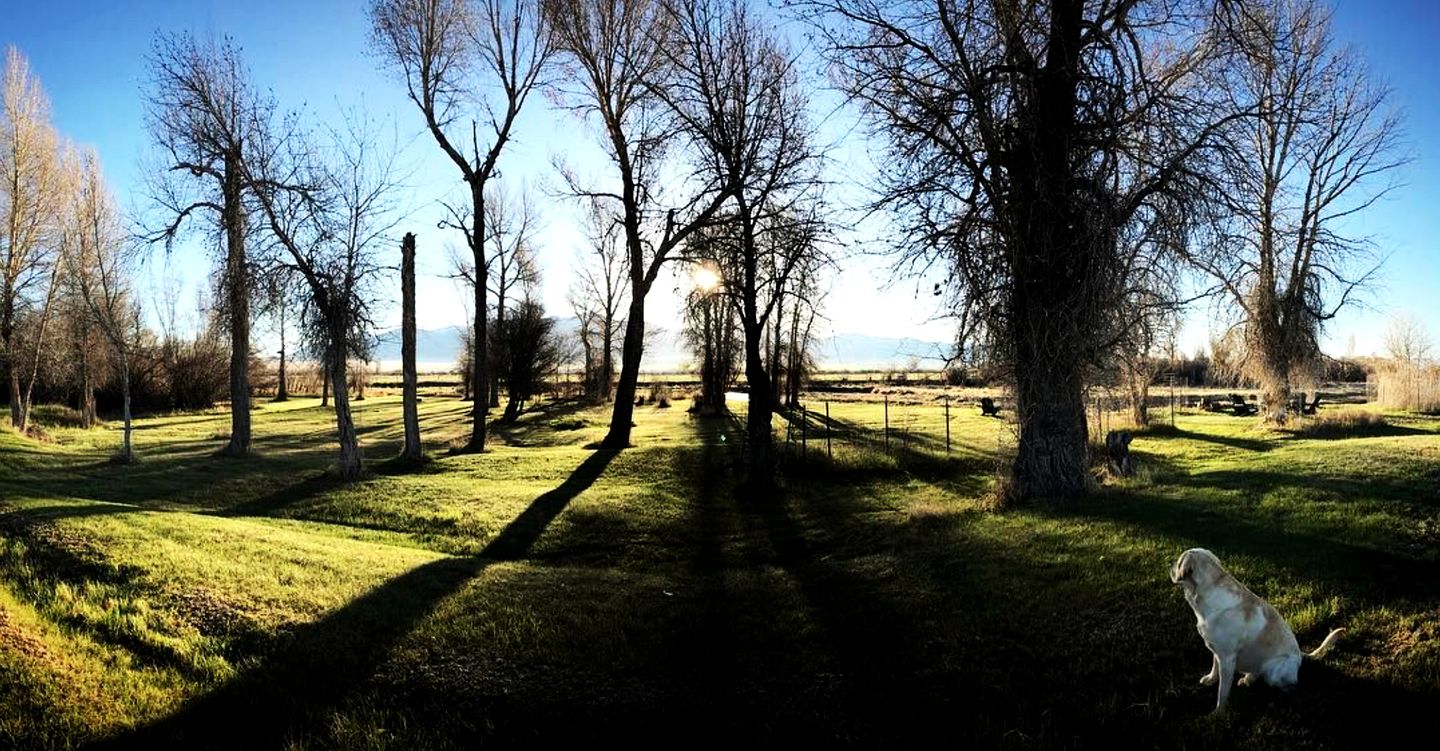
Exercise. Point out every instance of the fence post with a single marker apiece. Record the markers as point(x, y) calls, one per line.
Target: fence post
point(887, 423)
point(947, 424)
point(828, 427)
point(804, 431)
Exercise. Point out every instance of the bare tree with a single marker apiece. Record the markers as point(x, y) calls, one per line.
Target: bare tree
point(98, 256)
point(30, 205)
point(598, 299)
point(448, 51)
point(1406, 340)
point(330, 214)
point(280, 292)
point(1018, 138)
point(617, 55)
point(1319, 150)
point(205, 116)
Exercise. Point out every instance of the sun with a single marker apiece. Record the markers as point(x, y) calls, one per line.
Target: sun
point(706, 280)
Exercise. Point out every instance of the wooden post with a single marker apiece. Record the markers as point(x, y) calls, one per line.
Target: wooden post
point(947, 424)
point(828, 428)
point(887, 422)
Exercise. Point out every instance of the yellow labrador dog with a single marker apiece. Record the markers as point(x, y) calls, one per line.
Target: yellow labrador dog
point(1242, 630)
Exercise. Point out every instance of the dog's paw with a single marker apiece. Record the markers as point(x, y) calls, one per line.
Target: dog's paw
point(1208, 679)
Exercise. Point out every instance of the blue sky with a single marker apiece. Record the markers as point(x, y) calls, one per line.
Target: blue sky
point(313, 56)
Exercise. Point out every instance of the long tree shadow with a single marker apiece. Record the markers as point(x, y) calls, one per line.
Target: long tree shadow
point(313, 669)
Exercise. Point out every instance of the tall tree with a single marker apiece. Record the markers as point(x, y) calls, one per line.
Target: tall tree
point(98, 255)
point(617, 60)
point(449, 51)
point(204, 115)
point(31, 196)
point(1321, 148)
point(1017, 137)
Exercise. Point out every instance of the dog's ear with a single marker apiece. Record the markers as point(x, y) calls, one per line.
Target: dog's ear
point(1182, 569)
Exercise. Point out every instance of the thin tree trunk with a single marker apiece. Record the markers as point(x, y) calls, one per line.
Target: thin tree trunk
point(411, 408)
point(7, 338)
point(87, 393)
point(499, 326)
point(237, 290)
point(607, 359)
point(325, 383)
point(632, 349)
point(127, 451)
point(348, 465)
point(282, 390)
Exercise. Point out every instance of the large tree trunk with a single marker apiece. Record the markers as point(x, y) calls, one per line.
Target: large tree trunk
point(1275, 386)
point(411, 407)
point(480, 354)
point(760, 443)
point(348, 465)
point(17, 420)
point(632, 349)
point(1053, 267)
point(237, 293)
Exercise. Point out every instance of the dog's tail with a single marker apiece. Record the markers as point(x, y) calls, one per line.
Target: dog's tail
point(1325, 645)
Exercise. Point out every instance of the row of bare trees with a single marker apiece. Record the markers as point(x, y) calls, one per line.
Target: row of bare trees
point(66, 254)
point(1061, 158)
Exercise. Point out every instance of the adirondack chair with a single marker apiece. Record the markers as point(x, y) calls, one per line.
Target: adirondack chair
point(1309, 409)
point(1240, 407)
point(988, 408)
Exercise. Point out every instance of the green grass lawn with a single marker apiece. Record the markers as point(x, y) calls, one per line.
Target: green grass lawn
point(545, 592)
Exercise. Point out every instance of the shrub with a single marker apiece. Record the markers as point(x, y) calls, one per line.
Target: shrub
point(1350, 422)
point(660, 395)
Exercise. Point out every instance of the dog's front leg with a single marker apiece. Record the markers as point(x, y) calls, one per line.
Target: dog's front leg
point(1214, 675)
point(1227, 678)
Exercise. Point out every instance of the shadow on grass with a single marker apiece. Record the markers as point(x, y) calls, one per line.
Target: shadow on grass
point(311, 671)
point(1234, 442)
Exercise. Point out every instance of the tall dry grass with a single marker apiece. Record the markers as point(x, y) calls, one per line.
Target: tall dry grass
point(1408, 386)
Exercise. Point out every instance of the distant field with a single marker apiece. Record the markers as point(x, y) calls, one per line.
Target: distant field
point(545, 593)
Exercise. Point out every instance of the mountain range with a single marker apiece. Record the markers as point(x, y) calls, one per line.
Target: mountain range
point(665, 350)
